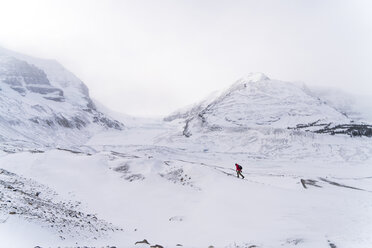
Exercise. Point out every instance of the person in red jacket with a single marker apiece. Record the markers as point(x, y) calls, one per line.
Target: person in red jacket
point(239, 170)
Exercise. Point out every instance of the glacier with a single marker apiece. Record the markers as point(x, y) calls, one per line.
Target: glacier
point(74, 174)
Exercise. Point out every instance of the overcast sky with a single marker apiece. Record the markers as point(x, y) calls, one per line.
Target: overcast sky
point(152, 57)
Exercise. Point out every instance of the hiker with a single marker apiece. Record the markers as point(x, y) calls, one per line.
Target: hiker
point(239, 170)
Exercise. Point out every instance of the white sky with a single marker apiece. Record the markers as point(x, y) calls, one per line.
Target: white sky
point(152, 57)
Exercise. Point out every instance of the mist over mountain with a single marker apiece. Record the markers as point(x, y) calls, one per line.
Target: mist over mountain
point(43, 104)
point(256, 101)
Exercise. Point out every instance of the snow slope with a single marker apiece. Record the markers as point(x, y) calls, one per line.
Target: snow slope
point(44, 105)
point(151, 181)
point(256, 101)
point(169, 196)
point(271, 119)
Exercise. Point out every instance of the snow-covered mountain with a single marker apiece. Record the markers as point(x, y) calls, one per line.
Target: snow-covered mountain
point(43, 104)
point(172, 183)
point(264, 118)
point(256, 101)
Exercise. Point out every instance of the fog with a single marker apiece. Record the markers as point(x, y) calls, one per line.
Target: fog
point(149, 58)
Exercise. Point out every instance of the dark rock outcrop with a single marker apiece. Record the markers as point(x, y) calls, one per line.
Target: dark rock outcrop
point(353, 130)
point(26, 78)
point(142, 242)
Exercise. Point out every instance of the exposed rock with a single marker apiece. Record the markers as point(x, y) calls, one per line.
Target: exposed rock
point(332, 245)
point(135, 177)
point(339, 184)
point(24, 77)
point(52, 103)
point(294, 241)
point(22, 91)
point(101, 119)
point(311, 182)
point(142, 242)
point(45, 90)
point(176, 218)
point(15, 70)
point(73, 151)
point(13, 81)
point(177, 175)
point(22, 197)
point(349, 129)
point(352, 130)
point(156, 246)
point(122, 168)
point(56, 99)
point(123, 155)
point(62, 121)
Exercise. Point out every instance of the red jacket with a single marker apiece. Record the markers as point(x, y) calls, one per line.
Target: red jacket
point(237, 167)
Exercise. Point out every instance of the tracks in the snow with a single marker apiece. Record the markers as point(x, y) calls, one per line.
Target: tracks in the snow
point(304, 182)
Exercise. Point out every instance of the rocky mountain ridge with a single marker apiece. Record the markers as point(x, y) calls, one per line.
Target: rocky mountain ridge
point(257, 101)
point(43, 104)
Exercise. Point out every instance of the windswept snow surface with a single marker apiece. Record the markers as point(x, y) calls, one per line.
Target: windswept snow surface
point(151, 181)
point(144, 181)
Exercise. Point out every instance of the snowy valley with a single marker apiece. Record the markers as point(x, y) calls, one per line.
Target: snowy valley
point(73, 175)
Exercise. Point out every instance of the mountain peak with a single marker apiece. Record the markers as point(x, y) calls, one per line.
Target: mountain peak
point(255, 101)
point(254, 77)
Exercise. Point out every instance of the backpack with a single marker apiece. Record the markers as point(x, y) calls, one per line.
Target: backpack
point(240, 167)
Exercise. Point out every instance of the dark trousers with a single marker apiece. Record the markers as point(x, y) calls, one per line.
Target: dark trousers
point(239, 173)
